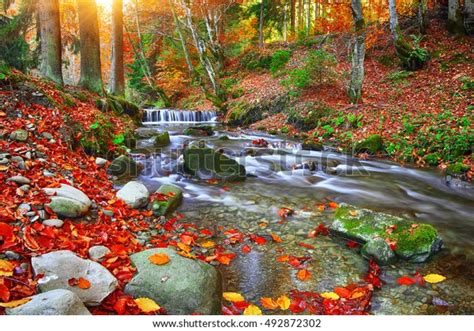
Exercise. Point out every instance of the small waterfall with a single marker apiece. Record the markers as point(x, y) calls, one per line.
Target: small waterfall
point(157, 116)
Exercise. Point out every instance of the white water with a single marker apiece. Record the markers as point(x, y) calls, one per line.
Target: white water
point(159, 116)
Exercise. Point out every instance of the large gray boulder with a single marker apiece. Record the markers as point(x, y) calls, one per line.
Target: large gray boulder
point(68, 201)
point(413, 241)
point(174, 197)
point(59, 267)
point(182, 286)
point(55, 302)
point(134, 194)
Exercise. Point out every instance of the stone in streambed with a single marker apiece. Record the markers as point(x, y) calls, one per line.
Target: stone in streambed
point(53, 222)
point(55, 302)
point(415, 242)
point(205, 163)
point(124, 166)
point(378, 250)
point(162, 139)
point(19, 180)
point(134, 194)
point(97, 253)
point(68, 201)
point(174, 197)
point(371, 144)
point(183, 286)
point(60, 266)
point(19, 135)
point(199, 131)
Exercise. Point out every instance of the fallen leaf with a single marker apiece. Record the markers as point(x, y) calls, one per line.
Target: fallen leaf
point(405, 280)
point(252, 310)
point(330, 295)
point(16, 303)
point(269, 303)
point(147, 305)
point(333, 205)
point(283, 302)
point(208, 244)
point(6, 268)
point(83, 283)
point(233, 297)
point(303, 275)
point(434, 278)
point(159, 258)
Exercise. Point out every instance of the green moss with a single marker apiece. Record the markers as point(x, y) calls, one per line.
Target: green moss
point(371, 144)
point(162, 140)
point(410, 240)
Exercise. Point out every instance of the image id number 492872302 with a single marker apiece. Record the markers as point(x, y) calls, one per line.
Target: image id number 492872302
point(292, 323)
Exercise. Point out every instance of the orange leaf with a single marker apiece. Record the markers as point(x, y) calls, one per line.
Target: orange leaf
point(283, 302)
point(283, 258)
point(276, 238)
point(333, 205)
point(303, 275)
point(269, 303)
point(159, 259)
point(83, 283)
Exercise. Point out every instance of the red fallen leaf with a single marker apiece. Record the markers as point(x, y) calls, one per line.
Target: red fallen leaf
point(226, 188)
point(405, 280)
point(120, 305)
point(258, 239)
point(352, 244)
point(241, 305)
point(285, 212)
point(390, 229)
point(206, 232)
point(342, 292)
point(186, 239)
point(373, 274)
point(321, 229)
point(212, 181)
point(4, 293)
point(283, 258)
point(308, 246)
point(260, 142)
point(297, 305)
point(391, 243)
point(333, 205)
point(246, 249)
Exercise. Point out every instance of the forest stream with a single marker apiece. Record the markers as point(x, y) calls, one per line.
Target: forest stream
point(275, 180)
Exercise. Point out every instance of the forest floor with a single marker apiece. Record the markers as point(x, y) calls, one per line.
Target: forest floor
point(425, 117)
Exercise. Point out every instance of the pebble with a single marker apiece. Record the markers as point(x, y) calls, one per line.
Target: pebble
point(98, 252)
point(19, 180)
point(17, 159)
point(107, 212)
point(47, 173)
point(34, 219)
point(57, 223)
point(25, 188)
point(100, 162)
point(4, 161)
point(10, 255)
point(24, 208)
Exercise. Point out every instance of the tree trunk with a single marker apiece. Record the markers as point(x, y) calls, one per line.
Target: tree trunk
point(300, 16)
point(91, 77)
point(50, 32)
point(455, 17)
point(293, 16)
point(469, 16)
point(422, 17)
point(392, 7)
point(117, 76)
point(308, 16)
point(260, 25)
point(358, 53)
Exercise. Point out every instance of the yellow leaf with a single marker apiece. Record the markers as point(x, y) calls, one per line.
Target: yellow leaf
point(147, 305)
point(269, 303)
point(184, 247)
point(13, 304)
point(159, 259)
point(330, 295)
point(233, 297)
point(208, 244)
point(434, 278)
point(252, 310)
point(284, 302)
point(3, 167)
point(6, 268)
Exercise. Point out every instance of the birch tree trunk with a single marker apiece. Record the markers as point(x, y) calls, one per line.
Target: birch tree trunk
point(308, 17)
point(50, 32)
point(260, 25)
point(394, 28)
point(117, 75)
point(455, 17)
point(91, 77)
point(358, 53)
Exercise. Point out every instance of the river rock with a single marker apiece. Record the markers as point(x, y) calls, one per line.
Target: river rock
point(415, 242)
point(19, 135)
point(162, 139)
point(378, 250)
point(124, 166)
point(100, 162)
point(183, 286)
point(60, 266)
point(174, 197)
point(371, 144)
point(134, 194)
point(55, 302)
point(205, 163)
point(19, 180)
point(53, 222)
point(199, 131)
point(68, 201)
point(96, 253)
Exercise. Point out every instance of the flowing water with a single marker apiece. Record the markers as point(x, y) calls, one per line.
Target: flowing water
point(274, 181)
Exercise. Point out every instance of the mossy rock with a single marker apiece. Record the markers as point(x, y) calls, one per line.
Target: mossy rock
point(124, 166)
point(415, 242)
point(371, 144)
point(162, 140)
point(378, 250)
point(312, 146)
point(223, 138)
point(199, 131)
point(174, 197)
point(205, 163)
